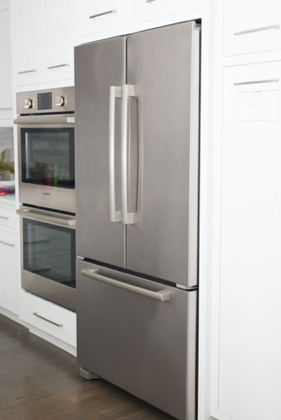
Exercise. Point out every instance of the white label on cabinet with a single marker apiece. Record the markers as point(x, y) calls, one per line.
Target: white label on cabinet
point(258, 105)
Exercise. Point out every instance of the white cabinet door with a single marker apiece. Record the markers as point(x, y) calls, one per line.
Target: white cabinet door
point(247, 363)
point(5, 62)
point(98, 16)
point(9, 266)
point(251, 26)
point(28, 41)
point(59, 27)
point(153, 9)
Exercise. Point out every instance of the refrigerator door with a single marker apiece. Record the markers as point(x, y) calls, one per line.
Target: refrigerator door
point(99, 68)
point(133, 339)
point(163, 76)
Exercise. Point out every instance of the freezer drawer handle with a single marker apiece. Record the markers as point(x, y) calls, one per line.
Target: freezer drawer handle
point(127, 90)
point(115, 92)
point(162, 295)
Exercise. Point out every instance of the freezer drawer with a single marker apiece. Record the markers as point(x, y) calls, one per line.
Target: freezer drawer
point(139, 335)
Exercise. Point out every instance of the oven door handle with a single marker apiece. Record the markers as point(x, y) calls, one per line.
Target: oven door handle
point(46, 119)
point(34, 215)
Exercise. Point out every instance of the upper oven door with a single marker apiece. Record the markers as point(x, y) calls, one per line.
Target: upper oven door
point(46, 162)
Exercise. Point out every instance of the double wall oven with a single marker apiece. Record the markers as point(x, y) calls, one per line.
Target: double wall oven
point(47, 193)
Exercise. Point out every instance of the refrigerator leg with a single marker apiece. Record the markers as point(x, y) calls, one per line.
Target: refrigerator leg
point(86, 374)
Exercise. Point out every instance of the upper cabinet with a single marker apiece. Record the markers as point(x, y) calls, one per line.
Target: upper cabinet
point(98, 16)
point(5, 62)
point(153, 9)
point(59, 39)
point(251, 26)
point(44, 37)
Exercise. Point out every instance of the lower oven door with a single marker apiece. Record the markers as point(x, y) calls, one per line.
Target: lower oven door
point(48, 255)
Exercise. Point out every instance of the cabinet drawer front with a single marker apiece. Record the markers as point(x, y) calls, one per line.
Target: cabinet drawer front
point(8, 218)
point(48, 317)
point(98, 16)
point(251, 26)
point(153, 9)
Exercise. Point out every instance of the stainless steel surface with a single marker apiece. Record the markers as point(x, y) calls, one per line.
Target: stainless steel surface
point(256, 82)
point(127, 91)
point(67, 92)
point(144, 346)
point(48, 320)
point(162, 295)
point(48, 120)
point(34, 283)
point(264, 28)
point(6, 243)
point(127, 334)
point(57, 66)
point(57, 219)
point(98, 66)
point(165, 234)
point(27, 71)
point(102, 14)
point(115, 92)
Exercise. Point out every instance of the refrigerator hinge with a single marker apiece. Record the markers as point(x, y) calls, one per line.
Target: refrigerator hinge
point(79, 258)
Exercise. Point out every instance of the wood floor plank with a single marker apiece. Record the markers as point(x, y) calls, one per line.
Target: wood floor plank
point(39, 381)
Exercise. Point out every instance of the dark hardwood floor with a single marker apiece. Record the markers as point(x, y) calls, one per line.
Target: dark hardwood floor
point(39, 381)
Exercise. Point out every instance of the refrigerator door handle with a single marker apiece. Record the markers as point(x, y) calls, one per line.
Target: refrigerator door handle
point(162, 295)
point(115, 92)
point(127, 90)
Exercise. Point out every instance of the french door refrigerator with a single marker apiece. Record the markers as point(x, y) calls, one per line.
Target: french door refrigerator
point(137, 154)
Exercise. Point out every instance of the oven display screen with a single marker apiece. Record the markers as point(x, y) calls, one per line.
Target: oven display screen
point(44, 100)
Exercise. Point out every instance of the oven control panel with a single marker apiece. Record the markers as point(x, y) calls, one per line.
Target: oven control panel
point(46, 101)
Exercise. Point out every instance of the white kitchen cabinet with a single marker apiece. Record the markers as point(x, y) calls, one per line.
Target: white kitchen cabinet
point(96, 16)
point(59, 28)
point(27, 18)
point(247, 322)
point(5, 62)
point(251, 26)
point(9, 261)
point(152, 9)
point(49, 318)
point(44, 38)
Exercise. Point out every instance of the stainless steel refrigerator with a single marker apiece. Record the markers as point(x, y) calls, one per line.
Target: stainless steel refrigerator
point(137, 170)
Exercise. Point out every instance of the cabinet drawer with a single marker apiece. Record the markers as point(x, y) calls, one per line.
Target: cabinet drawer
point(8, 218)
point(153, 9)
point(50, 318)
point(251, 26)
point(96, 16)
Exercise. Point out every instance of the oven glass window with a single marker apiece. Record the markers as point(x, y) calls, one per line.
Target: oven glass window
point(49, 251)
point(48, 156)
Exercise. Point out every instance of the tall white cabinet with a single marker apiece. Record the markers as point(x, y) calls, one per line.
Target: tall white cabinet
point(247, 365)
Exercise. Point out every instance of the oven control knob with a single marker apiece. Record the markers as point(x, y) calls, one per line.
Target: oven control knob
point(59, 100)
point(27, 103)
